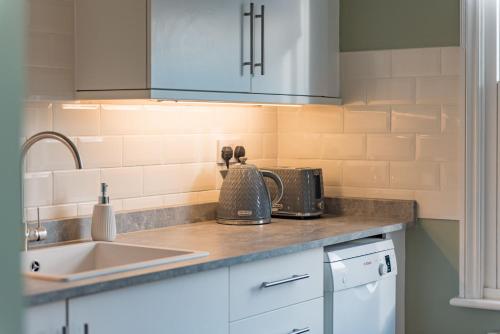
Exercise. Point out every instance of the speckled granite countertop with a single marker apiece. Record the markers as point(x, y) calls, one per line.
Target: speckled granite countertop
point(227, 245)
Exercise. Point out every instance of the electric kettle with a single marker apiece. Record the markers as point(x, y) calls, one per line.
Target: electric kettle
point(244, 198)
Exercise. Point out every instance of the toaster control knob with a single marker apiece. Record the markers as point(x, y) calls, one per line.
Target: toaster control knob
point(321, 205)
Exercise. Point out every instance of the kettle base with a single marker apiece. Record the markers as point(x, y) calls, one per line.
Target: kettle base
point(243, 222)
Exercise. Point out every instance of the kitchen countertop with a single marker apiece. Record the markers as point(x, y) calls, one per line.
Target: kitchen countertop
point(227, 245)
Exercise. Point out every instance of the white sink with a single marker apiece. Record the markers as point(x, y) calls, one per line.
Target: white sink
point(92, 259)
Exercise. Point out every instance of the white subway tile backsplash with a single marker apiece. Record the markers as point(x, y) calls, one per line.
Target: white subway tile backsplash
point(37, 189)
point(386, 193)
point(76, 119)
point(391, 91)
point(171, 179)
point(142, 150)
point(369, 119)
point(209, 196)
point(374, 64)
point(178, 149)
point(452, 176)
point(288, 119)
point(270, 146)
point(416, 62)
point(437, 148)
point(122, 120)
point(416, 118)
point(38, 48)
point(354, 91)
point(253, 146)
point(53, 212)
point(178, 119)
point(76, 186)
point(321, 119)
point(49, 83)
point(411, 125)
point(370, 174)
point(142, 203)
point(49, 155)
point(451, 119)
point(86, 209)
point(332, 172)
point(180, 199)
point(123, 182)
point(100, 152)
point(391, 147)
point(344, 147)
point(263, 120)
point(415, 175)
point(49, 50)
point(37, 117)
point(51, 16)
point(438, 90)
point(231, 119)
point(297, 145)
point(452, 59)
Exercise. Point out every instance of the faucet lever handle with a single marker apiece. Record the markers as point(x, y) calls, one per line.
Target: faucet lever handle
point(39, 224)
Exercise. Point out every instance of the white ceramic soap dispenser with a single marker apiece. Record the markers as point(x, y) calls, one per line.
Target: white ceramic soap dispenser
point(103, 218)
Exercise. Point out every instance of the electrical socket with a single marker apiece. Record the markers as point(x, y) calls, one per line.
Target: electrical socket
point(227, 141)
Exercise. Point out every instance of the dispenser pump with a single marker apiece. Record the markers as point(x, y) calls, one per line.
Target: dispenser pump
point(104, 198)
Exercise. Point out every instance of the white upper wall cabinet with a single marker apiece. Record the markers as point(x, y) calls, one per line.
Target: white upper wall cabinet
point(269, 51)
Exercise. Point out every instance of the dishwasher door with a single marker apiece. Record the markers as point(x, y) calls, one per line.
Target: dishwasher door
point(360, 296)
point(367, 309)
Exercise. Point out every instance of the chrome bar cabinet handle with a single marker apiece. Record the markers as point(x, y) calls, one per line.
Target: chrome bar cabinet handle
point(301, 331)
point(86, 329)
point(261, 16)
point(251, 15)
point(285, 280)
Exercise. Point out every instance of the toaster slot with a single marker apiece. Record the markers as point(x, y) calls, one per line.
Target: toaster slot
point(317, 186)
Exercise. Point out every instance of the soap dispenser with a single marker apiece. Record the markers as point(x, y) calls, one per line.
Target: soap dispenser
point(103, 218)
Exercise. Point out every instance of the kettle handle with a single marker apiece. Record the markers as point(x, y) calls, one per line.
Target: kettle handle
point(279, 183)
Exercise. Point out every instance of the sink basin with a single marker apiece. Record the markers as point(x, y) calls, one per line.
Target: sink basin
point(92, 259)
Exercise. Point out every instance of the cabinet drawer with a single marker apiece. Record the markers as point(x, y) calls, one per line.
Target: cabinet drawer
point(269, 284)
point(304, 318)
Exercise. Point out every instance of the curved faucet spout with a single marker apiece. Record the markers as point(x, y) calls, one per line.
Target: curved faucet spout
point(39, 233)
point(52, 135)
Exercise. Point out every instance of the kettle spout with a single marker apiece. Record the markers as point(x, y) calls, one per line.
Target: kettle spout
point(223, 173)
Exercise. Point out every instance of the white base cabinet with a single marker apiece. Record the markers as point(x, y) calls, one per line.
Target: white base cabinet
point(196, 303)
point(306, 317)
point(278, 295)
point(46, 319)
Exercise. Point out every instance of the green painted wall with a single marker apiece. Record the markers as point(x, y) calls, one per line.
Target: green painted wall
point(398, 24)
point(432, 280)
point(11, 75)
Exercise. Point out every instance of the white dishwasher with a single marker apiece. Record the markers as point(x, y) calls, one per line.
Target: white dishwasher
point(360, 287)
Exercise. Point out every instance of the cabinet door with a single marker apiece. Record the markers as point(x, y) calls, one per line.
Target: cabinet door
point(196, 303)
point(300, 54)
point(45, 319)
point(200, 45)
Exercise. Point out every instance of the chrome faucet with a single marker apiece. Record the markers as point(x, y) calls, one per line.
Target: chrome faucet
point(40, 233)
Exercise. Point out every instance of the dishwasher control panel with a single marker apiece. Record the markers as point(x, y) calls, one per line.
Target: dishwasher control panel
point(368, 263)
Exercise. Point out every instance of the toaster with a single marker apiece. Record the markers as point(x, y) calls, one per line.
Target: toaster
point(303, 194)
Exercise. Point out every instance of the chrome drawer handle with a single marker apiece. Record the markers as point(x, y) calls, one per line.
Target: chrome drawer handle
point(285, 280)
point(301, 331)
